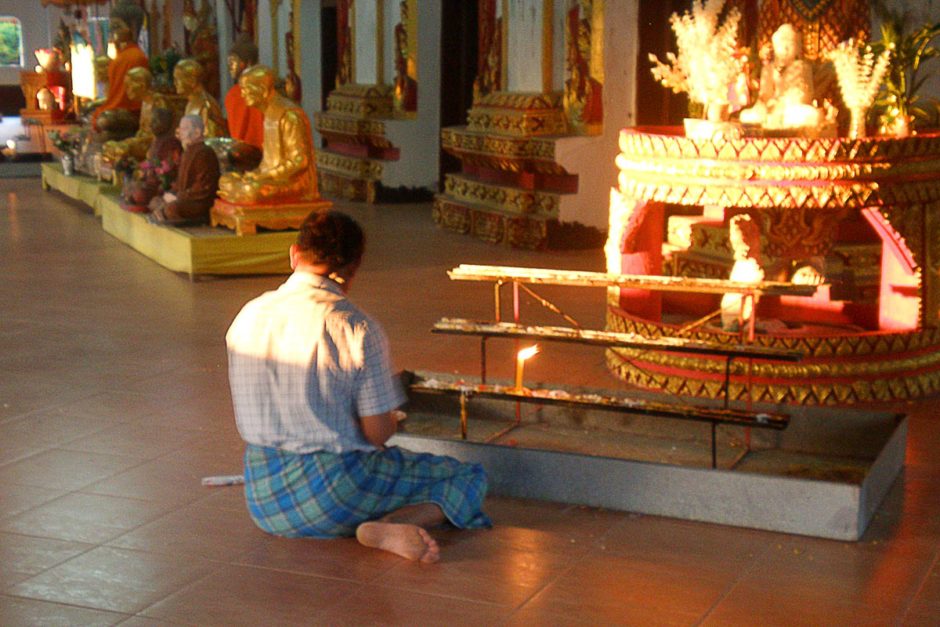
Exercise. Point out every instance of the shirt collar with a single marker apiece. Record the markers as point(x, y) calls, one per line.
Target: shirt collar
point(308, 279)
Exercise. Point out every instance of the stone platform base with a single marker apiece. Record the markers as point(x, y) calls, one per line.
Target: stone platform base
point(245, 219)
point(824, 476)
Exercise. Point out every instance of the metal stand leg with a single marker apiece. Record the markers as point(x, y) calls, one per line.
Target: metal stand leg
point(714, 445)
point(463, 416)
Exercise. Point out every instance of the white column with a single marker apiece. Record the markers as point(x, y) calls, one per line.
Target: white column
point(367, 42)
point(225, 29)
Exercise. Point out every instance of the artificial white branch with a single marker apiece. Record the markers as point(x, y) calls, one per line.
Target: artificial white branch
point(706, 66)
point(859, 73)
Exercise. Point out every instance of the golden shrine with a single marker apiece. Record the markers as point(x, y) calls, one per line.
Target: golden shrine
point(868, 206)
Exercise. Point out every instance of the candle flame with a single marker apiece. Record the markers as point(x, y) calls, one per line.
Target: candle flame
point(525, 353)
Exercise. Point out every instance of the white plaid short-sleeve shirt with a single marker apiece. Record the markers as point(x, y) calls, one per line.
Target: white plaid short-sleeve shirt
point(304, 364)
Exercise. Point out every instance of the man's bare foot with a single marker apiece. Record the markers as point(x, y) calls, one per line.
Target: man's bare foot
point(409, 541)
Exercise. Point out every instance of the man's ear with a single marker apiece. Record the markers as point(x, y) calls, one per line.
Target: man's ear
point(293, 252)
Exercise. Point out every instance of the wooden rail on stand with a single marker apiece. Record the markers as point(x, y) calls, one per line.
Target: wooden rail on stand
point(501, 275)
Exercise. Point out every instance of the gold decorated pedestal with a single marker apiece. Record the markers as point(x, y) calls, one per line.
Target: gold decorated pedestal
point(245, 219)
point(869, 207)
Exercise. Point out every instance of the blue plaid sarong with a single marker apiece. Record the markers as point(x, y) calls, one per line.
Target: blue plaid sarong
point(326, 495)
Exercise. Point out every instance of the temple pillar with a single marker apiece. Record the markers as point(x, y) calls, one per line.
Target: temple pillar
point(386, 49)
point(551, 94)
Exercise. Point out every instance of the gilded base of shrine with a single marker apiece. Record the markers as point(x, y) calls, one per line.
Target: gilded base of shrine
point(836, 369)
point(347, 187)
point(245, 219)
point(490, 225)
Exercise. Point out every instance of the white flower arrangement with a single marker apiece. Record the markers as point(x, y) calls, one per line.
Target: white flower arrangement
point(707, 65)
point(859, 74)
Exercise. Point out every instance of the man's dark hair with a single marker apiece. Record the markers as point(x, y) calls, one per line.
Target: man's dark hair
point(332, 238)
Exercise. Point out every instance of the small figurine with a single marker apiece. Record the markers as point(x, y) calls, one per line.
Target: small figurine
point(744, 237)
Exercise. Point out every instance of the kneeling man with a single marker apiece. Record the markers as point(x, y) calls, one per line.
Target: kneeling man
point(313, 393)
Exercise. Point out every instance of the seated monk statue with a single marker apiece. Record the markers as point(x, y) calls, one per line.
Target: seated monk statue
point(245, 124)
point(124, 24)
point(191, 198)
point(137, 85)
point(163, 154)
point(288, 171)
point(785, 98)
point(187, 78)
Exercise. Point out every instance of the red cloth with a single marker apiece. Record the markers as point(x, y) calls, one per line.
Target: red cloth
point(127, 59)
point(246, 124)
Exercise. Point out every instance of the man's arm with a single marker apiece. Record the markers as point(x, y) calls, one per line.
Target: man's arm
point(379, 428)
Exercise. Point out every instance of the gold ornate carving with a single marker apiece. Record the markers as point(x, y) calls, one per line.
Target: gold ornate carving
point(490, 225)
point(245, 219)
point(346, 187)
point(856, 368)
point(515, 154)
point(349, 166)
point(583, 97)
point(508, 199)
point(371, 129)
point(518, 114)
point(366, 101)
point(490, 51)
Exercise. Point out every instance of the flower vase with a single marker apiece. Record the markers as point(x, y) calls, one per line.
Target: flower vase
point(68, 164)
point(857, 123)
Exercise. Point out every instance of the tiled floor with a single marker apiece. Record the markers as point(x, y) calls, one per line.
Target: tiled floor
point(114, 403)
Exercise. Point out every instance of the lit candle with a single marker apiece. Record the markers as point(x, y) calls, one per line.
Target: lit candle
point(521, 356)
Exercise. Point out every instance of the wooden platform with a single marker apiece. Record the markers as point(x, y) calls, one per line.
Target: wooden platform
point(200, 250)
point(86, 189)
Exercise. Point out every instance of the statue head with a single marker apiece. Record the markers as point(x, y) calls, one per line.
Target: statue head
point(191, 130)
point(137, 83)
point(187, 76)
point(744, 237)
point(125, 22)
point(257, 86)
point(332, 240)
point(161, 121)
point(244, 54)
point(788, 45)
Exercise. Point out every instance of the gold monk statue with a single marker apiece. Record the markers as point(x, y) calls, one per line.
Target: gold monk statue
point(137, 85)
point(288, 171)
point(125, 23)
point(188, 80)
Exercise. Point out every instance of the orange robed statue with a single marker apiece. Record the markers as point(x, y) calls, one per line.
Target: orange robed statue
point(283, 189)
point(245, 124)
point(125, 23)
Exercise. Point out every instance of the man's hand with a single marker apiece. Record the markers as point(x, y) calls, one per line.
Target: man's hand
point(169, 197)
point(379, 428)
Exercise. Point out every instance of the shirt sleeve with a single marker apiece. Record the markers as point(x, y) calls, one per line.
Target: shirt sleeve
point(379, 390)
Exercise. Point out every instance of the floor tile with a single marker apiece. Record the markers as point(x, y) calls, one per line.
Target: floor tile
point(376, 604)
point(779, 605)
point(18, 611)
point(114, 579)
point(341, 558)
point(92, 518)
point(606, 589)
point(19, 498)
point(22, 556)
point(64, 470)
point(197, 530)
point(242, 595)
point(715, 551)
point(139, 439)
